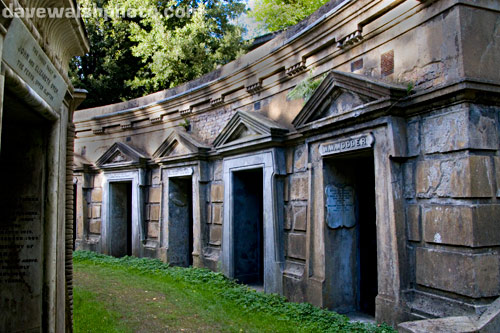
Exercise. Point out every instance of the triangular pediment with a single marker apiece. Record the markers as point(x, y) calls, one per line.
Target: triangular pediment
point(179, 144)
point(241, 132)
point(121, 154)
point(245, 127)
point(340, 93)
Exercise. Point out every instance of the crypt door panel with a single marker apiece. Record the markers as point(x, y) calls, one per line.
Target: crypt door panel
point(180, 222)
point(350, 242)
point(120, 218)
point(248, 234)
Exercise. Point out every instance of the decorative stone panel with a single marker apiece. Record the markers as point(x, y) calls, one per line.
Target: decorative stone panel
point(155, 195)
point(297, 246)
point(217, 193)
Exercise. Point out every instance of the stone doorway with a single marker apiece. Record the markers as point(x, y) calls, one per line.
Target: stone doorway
point(351, 242)
point(248, 234)
point(120, 218)
point(180, 221)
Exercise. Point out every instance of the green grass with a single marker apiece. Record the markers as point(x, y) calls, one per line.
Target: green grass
point(145, 295)
point(92, 316)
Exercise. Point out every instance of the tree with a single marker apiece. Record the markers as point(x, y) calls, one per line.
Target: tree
point(274, 15)
point(149, 45)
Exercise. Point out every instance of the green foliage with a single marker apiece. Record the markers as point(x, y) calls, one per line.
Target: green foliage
point(134, 56)
point(305, 89)
point(307, 317)
point(274, 15)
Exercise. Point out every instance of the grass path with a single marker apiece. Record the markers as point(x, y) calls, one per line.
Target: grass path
point(144, 295)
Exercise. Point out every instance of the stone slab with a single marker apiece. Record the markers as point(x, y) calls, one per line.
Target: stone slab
point(155, 195)
point(473, 275)
point(468, 177)
point(299, 187)
point(297, 246)
point(95, 226)
point(154, 212)
point(217, 193)
point(153, 229)
point(299, 217)
point(97, 194)
point(473, 226)
point(217, 212)
point(215, 234)
point(413, 222)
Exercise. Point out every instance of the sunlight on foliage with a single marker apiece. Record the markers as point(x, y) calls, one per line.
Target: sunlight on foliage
point(305, 89)
point(275, 15)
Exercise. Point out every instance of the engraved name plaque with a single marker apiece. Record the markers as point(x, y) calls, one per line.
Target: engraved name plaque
point(28, 60)
point(345, 145)
point(340, 207)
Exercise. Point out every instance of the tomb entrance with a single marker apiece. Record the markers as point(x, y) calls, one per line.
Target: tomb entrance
point(351, 242)
point(248, 226)
point(180, 221)
point(120, 218)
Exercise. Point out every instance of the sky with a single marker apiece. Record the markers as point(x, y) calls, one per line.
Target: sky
point(252, 27)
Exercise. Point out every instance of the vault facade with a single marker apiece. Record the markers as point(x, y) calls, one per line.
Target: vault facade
point(361, 199)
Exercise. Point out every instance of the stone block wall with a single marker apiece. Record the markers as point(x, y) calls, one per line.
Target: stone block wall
point(207, 125)
point(214, 215)
point(94, 211)
point(452, 211)
point(296, 210)
point(153, 204)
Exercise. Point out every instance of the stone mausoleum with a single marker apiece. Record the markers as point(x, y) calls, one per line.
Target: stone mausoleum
point(378, 195)
point(37, 102)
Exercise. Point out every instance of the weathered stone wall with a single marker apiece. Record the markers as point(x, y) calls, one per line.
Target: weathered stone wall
point(296, 211)
point(451, 211)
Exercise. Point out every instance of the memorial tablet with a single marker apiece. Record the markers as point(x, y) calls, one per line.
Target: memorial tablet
point(340, 207)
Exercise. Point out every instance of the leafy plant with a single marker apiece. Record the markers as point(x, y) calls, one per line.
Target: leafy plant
point(305, 89)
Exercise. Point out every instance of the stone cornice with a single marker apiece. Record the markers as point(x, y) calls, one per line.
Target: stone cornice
point(274, 67)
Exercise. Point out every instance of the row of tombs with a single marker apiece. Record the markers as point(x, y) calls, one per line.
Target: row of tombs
point(367, 217)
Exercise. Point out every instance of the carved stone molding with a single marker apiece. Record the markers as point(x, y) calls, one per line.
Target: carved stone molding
point(254, 88)
point(296, 69)
point(217, 101)
point(126, 126)
point(98, 130)
point(156, 119)
point(350, 39)
point(186, 112)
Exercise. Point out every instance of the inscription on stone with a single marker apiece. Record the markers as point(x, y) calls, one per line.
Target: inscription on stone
point(340, 207)
point(23, 54)
point(349, 144)
point(19, 243)
point(20, 265)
